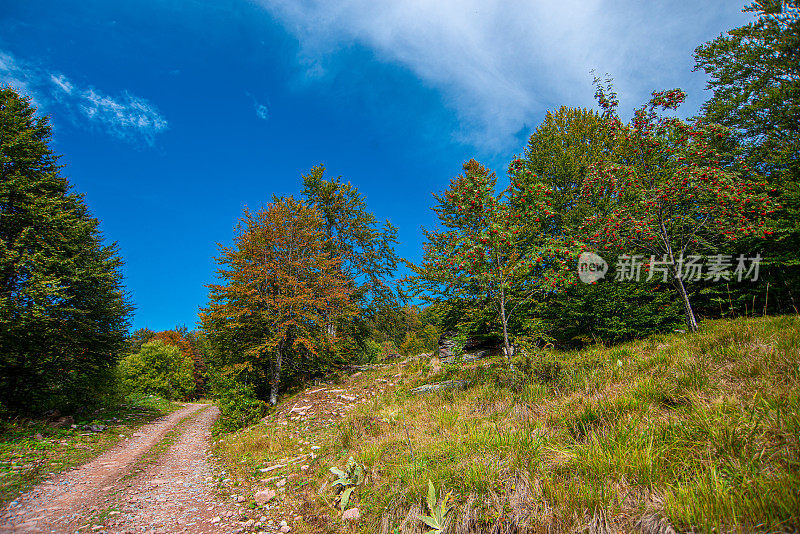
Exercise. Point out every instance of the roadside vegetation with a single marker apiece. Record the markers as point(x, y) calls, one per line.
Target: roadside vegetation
point(32, 450)
point(699, 432)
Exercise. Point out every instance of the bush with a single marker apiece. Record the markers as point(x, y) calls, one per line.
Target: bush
point(372, 350)
point(422, 341)
point(158, 369)
point(238, 404)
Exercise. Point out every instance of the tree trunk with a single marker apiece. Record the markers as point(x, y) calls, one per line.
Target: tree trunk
point(275, 379)
point(691, 322)
point(504, 320)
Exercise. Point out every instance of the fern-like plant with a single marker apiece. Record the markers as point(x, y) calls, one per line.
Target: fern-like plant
point(346, 481)
point(437, 510)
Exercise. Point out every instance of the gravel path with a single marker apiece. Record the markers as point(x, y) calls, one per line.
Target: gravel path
point(176, 493)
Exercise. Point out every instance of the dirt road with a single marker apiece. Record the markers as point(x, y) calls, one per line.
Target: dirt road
point(160, 481)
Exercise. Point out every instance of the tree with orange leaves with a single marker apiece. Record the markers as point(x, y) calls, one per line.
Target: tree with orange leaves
point(278, 283)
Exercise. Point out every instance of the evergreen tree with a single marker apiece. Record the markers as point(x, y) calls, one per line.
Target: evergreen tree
point(63, 310)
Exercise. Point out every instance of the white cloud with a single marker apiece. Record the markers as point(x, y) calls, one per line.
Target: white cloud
point(262, 110)
point(125, 116)
point(500, 63)
point(62, 83)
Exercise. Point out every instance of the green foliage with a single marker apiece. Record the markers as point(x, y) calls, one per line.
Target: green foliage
point(422, 341)
point(238, 403)
point(609, 312)
point(63, 309)
point(669, 191)
point(138, 338)
point(365, 247)
point(438, 510)
point(560, 153)
point(493, 250)
point(754, 73)
point(158, 369)
point(346, 481)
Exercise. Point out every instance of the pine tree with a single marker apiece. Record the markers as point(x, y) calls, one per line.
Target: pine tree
point(63, 310)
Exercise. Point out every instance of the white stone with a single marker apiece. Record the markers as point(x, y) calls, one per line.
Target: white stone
point(264, 496)
point(351, 515)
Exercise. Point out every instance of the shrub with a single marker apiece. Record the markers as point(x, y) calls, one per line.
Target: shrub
point(158, 369)
point(238, 404)
point(425, 340)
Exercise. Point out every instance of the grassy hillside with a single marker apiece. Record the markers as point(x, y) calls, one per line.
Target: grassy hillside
point(699, 432)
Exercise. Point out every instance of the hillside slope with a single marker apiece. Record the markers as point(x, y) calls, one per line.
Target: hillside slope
point(688, 432)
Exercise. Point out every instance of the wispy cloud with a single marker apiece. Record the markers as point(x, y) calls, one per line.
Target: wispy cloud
point(124, 116)
point(500, 63)
point(262, 110)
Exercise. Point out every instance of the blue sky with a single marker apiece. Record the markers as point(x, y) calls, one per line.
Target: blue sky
point(172, 116)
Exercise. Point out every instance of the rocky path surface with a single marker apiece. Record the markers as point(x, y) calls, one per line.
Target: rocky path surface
point(135, 487)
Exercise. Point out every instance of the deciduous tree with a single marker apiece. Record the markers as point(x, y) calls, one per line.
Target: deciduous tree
point(279, 283)
point(158, 368)
point(754, 73)
point(366, 248)
point(186, 342)
point(492, 248)
point(560, 154)
point(665, 192)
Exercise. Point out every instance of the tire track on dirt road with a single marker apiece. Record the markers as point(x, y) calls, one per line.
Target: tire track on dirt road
point(64, 502)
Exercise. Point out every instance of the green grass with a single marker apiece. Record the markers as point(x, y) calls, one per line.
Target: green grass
point(31, 450)
point(701, 431)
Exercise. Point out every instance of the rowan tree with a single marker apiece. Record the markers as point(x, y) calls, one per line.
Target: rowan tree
point(279, 283)
point(665, 192)
point(560, 154)
point(492, 248)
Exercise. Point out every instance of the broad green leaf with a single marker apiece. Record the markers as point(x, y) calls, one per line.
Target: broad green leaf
point(338, 472)
point(431, 522)
point(431, 496)
point(345, 497)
